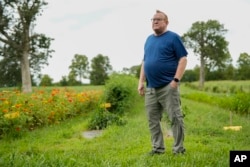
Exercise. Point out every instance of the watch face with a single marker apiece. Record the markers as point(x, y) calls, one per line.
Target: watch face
point(176, 79)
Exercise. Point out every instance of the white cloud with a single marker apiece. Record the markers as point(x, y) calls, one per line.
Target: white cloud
point(118, 29)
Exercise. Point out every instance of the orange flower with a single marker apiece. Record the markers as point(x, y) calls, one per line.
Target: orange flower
point(54, 92)
point(5, 110)
point(3, 99)
point(18, 129)
point(18, 105)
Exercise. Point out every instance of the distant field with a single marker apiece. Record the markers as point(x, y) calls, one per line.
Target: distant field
point(225, 85)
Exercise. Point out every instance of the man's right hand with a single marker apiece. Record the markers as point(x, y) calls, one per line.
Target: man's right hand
point(141, 89)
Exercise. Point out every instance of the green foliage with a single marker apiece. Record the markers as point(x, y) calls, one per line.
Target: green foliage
point(119, 97)
point(72, 80)
point(63, 145)
point(120, 91)
point(79, 66)
point(101, 67)
point(63, 81)
point(46, 80)
point(241, 103)
point(207, 40)
point(190, 76)
point(102, 118)
point(243, 67)
point(9, 72)
point(135, 71)
point(19, 47)
point(233, 96)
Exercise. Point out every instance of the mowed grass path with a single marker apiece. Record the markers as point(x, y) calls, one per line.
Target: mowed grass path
point(62, 145)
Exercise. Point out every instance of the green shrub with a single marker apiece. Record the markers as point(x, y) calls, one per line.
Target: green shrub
point(233, 89)
point(241, 103)
point(120, 91)
point(215, 89)
point(102, 118)
point(119, 96)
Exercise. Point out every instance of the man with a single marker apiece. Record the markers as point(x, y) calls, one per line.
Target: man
point(162, 68)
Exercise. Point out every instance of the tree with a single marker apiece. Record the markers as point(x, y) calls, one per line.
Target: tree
point(72, 79)
point(191, 75)
point(208, 42)
point(125, 70)
point(133, 70)
point(63, 81)
point(80, 66)
point(10, 73)
point(100, 69)
point(243, 64)
point(46, 80)
point(17, 41)
point(230, 72)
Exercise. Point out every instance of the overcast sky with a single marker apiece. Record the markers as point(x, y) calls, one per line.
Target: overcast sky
point(118, 28)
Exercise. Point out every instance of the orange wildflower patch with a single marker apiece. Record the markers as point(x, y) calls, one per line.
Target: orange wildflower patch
point(5, 110)
point(3, 99)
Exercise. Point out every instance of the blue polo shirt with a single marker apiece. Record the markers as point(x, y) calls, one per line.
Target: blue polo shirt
point(161, 57)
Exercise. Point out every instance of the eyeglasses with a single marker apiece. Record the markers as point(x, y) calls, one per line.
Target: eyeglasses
point(156, 19)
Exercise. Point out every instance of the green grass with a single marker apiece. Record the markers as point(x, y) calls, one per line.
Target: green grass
point(62, 145)
point(225, 85)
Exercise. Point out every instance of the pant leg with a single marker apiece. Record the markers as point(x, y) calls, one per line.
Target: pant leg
point(154, 114)
point(170, 99)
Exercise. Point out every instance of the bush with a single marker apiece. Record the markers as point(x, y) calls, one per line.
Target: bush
point(119, 97)
point(241, 103)
point(102, 118)
point(121, 92)
point(238, 103)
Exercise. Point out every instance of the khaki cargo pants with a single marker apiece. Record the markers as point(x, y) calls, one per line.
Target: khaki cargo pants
point(157, 101)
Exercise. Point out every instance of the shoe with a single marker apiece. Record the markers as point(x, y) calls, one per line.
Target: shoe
point(154, 152)
point(180, 152)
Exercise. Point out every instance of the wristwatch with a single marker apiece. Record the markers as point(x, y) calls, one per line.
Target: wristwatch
point(176, 80)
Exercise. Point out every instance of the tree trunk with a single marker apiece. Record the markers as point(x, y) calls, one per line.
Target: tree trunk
point(25, 65)
point(202, 72)
point(25, 69)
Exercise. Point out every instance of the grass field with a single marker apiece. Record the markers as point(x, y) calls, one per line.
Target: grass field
point(63, 145)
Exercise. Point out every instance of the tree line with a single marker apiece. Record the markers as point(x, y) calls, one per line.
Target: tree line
point(24, 52)
point(101, 69)
point(227, 72)
point(97, 72)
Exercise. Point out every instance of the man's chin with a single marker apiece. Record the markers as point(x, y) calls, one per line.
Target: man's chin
point(157, 31)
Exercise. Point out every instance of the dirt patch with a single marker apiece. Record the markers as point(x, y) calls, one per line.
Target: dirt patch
point(91, 134)
point(169, 133)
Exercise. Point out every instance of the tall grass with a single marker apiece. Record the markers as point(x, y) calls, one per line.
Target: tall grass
point(225, 86)
point(63, 145)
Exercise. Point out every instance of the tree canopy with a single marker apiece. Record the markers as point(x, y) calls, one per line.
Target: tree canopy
point(207, 40)
point(243, 64)
point(19, 45)
point(100, 68)
point(80, 66)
